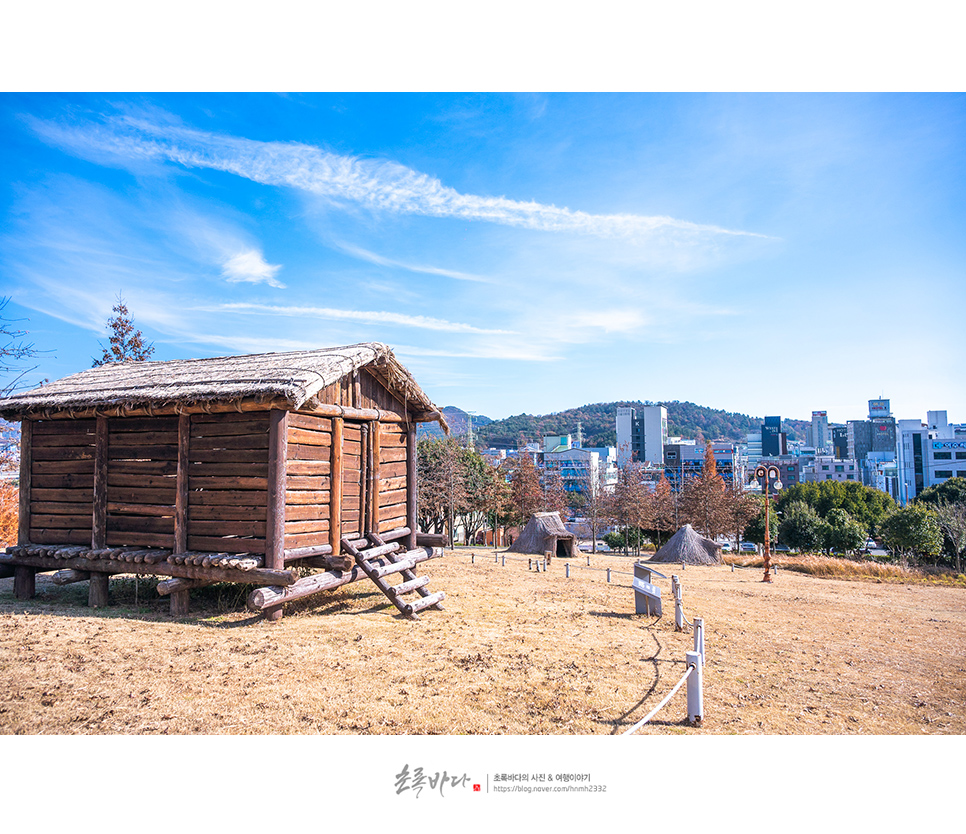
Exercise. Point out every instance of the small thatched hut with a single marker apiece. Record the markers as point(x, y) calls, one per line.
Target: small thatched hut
point(689, 548)
point(545, 533)
point(235, 469)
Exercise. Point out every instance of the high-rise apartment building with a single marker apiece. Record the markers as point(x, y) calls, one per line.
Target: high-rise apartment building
point(819, 435)
point(773, 439)
point(641, 434)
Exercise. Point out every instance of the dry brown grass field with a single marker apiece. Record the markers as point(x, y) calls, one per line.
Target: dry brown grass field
point(514, 652)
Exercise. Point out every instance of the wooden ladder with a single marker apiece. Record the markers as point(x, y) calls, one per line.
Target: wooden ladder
point(397, 563)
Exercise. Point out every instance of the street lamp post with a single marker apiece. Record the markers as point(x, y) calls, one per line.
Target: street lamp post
point(767, 472)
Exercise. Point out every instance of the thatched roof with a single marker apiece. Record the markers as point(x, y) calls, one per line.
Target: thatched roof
point(542, 529)
point(689, 547)
point(295, 377)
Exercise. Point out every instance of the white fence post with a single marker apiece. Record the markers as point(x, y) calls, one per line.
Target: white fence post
point(695, 689)
point(678, 604)
point(699, 637)
point(567, 566)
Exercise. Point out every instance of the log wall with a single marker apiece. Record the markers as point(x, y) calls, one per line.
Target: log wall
point(307, 481)
point(393, 488)
point(228, 482)
point(61, 487)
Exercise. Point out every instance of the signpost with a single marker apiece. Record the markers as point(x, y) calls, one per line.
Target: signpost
point(647, 597)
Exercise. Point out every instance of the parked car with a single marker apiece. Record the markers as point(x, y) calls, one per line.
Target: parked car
point(726, 547)
point(781, 548)
point(749, 547)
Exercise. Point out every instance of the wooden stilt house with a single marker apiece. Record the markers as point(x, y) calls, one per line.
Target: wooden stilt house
point(233, 469)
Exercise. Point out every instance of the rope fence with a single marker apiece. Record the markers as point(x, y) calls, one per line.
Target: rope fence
point(693, 677)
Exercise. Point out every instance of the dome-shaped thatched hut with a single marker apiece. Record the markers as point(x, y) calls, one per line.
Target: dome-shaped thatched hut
point(545, 533)
point(689, 548)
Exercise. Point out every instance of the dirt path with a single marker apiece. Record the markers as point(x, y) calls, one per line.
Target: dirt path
point(514, 652)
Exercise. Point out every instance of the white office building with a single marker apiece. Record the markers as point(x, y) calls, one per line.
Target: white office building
point(928, 453)
point(641, 434)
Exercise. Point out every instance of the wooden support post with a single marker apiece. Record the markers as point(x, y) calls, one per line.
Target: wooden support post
point(181, 487)
point(335, 487)
point(99, 521)
point(99, 590)
point(26, 451)
point(180, 604)
point(412, 508)
point(24, 582)
point(376, 474)
point(275, 520)
point(365, 481)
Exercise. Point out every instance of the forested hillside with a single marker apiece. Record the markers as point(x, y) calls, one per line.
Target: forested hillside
point(598, 424)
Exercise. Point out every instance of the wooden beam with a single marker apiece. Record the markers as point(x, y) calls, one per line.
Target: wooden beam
point(365, 476)
point(26, 456)
point(335, 487)
point(181, 485)
point(275, 516)
point(375, 476)
point(101, 457)
point(255, 576)
point(411, 505)
point(69, 576)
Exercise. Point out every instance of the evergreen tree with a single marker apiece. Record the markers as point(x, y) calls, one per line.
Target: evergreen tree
point(126, 343)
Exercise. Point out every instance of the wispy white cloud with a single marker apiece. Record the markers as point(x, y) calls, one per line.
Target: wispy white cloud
point(373, 258)
point(381, 185)
point(366, 316)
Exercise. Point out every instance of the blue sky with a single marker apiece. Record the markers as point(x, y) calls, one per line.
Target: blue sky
point(762, 253)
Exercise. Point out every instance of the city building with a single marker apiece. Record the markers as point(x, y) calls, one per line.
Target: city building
point(928, 453)
point(819, 436)
point(774, 441)
point(831, 468)
point(875, 435)
point(840, 441)
point(789, 467)
point(641, 434)
point(686, 460)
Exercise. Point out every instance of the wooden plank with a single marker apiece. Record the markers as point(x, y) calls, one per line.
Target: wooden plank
point(239, 458)
point(237, 441)
point(315, 468)
point(335, 487)
point(274, 530)
point(144, 467)
point(152, 451)
point(131, 495)
point(229, 416)
point(81, 508)
point(389, 524)
point(303, 451)
point(394, 511)
point(224, 527)
point(227, 483)
point(317, 526)
point(301, 496)
point(396, 496)
point(136, 439)
point(226, 429)
point(59, 428)
point(138, 425)
point(391, 439)
point(387, 485)
point(301, 512)
point(69, 496)
point(48, 535)
point(228, 498)
point(101, 465)
point(309, 421)
point(207, 512)
point(180, 543)
point(394, 469)
point(309, 437)
point(310, 483)
point(67, 467)
point(141, 481)
point(63, 453)
point(306, 540)
point(392, 454)
point(26, 448)
point(214, 544)
point(61, 522)
point(156, 510)
point(140, 524)
point(64, 480)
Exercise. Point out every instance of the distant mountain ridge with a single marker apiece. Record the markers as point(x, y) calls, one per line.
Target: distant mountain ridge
point(598, 423)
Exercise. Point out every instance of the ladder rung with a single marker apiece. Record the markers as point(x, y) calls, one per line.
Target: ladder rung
point(425, 602)
point(410, 586)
